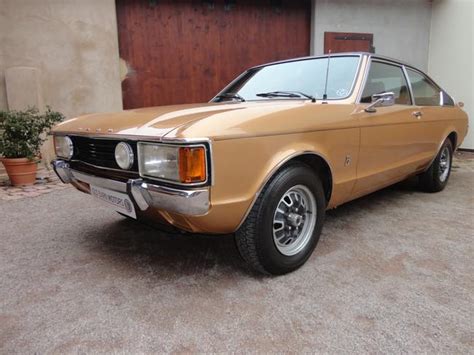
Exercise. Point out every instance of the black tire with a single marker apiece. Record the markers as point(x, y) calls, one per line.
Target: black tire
point(254, 238)
point(433, 179)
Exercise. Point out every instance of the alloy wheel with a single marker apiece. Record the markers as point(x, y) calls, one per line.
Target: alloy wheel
point(294, 220)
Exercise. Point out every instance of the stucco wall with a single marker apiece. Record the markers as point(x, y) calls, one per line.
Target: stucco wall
point(401, 28)
point(73, 43)
point(451, 53)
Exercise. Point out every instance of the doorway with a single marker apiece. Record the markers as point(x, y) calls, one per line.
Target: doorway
point(337, 42)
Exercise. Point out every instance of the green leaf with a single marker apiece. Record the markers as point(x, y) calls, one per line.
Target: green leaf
point(21, 131)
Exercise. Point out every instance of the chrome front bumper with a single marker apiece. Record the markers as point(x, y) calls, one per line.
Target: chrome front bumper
point(188, 202)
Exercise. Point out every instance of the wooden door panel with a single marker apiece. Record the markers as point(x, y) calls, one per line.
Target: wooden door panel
point(338, 42)
point(186, 51)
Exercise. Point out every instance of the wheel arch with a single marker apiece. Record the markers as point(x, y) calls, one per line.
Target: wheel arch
point(316, 161)
point(320, 166)
point(453, 137)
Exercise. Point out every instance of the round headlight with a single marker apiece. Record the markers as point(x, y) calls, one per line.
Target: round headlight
point(124, 155)
point(64, 147)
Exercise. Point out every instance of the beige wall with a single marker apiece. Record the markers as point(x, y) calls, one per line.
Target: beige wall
point(451, 57)
point(73, 43)
point(401, 28)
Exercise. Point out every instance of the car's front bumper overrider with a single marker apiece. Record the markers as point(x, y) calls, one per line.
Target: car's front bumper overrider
point(193, 202)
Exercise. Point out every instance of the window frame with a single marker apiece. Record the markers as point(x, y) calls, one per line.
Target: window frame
point(387, 62)
point(432, 82)
point(335, 55)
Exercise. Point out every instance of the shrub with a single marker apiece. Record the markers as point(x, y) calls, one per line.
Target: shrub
point(23, 132)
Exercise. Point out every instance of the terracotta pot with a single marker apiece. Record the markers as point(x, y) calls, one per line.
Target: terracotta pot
point(21, 171)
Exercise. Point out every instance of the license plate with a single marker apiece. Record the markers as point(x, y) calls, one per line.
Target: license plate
point(119, 201)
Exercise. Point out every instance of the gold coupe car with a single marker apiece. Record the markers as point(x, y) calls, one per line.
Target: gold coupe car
point(267, 156)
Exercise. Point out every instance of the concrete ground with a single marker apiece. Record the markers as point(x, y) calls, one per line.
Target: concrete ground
point(392, 273)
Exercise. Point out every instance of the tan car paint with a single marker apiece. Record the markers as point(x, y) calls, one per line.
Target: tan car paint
point(250, 140)
point(150, 122)
point(396, 144)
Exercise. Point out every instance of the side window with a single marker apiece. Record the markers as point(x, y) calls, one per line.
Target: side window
point(386, 78)
point(425, 92)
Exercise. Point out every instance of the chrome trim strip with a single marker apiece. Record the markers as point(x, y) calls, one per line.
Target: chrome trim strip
point(135, 191)
point(104, 168)
point(342, 54)
point(407, 78)
point(274, 170)
point(229, 85)
point(61, 168)
point(193, 202)
point(174, 140)
point(132, 137)
point(111, 136)
point(364, 81)
point(187, 202)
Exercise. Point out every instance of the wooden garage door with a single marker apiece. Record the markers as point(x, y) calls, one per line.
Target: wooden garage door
point(186, 51)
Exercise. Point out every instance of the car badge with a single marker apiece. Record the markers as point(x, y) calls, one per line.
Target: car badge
point(348, 160)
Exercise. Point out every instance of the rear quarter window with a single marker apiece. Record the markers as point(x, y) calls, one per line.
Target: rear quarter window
point(425, 92)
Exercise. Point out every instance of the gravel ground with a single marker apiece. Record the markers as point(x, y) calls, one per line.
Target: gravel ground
point(392, 273)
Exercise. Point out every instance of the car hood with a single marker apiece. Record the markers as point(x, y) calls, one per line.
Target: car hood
point(212, 120)
point(150, 121)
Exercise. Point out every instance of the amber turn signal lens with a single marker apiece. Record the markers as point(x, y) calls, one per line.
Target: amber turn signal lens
point(192, 164)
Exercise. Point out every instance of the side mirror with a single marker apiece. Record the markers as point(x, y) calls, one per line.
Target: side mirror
point(381, 100)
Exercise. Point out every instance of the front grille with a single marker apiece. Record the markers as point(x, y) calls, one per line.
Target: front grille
point(118, 175)
point(100, 152)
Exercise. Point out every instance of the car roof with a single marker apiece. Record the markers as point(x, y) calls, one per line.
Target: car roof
point(341, 54)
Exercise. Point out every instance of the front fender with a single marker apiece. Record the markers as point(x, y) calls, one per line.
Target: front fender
point(243, 166)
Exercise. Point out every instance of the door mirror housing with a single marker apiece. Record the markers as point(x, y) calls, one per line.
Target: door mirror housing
point(381, 100)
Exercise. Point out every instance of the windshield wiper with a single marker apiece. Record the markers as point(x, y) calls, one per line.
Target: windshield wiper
point(230, 95)
point(286, 94)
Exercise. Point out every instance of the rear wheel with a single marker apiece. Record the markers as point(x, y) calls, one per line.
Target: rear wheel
point(436, 177)
point(285, 223)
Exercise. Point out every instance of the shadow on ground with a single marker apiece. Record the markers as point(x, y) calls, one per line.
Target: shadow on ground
point(392, 273)
point(127, 241)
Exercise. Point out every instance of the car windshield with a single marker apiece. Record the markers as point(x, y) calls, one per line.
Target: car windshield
point(298, 79)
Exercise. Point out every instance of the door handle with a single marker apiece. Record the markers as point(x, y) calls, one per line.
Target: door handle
point(417, 114)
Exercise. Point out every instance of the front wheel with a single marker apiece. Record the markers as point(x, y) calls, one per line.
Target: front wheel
point(285, 223)
point(436, 177)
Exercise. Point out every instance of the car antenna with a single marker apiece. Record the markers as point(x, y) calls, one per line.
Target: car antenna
point(325, 95)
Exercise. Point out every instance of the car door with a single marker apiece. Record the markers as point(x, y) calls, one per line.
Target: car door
point(391, 142)
point(432, 105)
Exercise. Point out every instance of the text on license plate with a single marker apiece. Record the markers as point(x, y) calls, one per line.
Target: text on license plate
point(119, 201)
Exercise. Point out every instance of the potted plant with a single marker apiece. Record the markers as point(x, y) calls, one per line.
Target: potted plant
point(21, 135)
